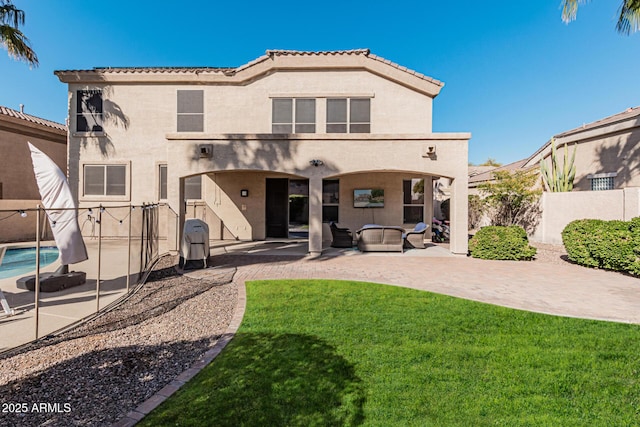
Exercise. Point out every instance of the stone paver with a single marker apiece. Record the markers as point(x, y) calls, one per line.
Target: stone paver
point(565, 290)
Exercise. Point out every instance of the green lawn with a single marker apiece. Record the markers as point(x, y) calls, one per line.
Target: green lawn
point(320, 353)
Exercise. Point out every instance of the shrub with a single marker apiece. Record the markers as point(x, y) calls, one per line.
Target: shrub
point(501, 242)
point(610, 245)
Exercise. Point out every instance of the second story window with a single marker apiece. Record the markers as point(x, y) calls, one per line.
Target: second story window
point(89, 111)
point(293, 115)
point(349, 115)
point(190, 111)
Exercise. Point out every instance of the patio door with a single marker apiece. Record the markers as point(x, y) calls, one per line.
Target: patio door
point(277, 207)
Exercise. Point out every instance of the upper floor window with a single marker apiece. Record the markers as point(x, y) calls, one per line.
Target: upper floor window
point(349, 115)
point(190, 111)
point(293, 115)
point(105, 180)
point(602, 181)
point(89, 111)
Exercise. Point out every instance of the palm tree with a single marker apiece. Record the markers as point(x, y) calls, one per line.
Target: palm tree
point(628, 21)
point(11, 38)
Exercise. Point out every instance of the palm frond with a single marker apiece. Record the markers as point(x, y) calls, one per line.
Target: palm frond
point(10, 15)
point(629, 20)
point(570, 10)
point(17, 45)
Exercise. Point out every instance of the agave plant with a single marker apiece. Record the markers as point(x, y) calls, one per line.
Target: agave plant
point(558, 177)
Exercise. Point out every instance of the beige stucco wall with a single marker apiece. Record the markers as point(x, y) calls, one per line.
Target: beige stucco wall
point(559, 209)
point(15, 228)
point(140, 132)
point(357, 160)
point(615, 149)
point(16, 170)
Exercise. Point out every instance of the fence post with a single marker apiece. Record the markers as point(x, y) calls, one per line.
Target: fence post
point(99, 258)
point(37, 288)
point(129, 249)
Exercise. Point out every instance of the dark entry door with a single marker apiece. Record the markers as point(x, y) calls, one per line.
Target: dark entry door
point(277, 215)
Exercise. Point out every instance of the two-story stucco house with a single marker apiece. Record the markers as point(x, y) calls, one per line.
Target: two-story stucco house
point(239, 139)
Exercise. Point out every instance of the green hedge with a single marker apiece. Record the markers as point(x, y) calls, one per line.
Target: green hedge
point(498, 242)
point(610, 245)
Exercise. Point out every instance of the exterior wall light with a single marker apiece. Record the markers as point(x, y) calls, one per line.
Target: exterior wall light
point(316, 162)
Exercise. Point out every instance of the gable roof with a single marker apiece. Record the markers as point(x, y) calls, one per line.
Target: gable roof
point(619, 117)
point(8, 112)
point(273, 60)
point(488, 175)
point(624, 120)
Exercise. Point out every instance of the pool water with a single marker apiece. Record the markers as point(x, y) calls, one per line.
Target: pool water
point(19, 261)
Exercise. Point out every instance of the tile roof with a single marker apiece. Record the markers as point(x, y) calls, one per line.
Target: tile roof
point(4, 111)
point(488, 175)
point(364, 52)
point(160, 69)
point(268, 54)
point(619, 117)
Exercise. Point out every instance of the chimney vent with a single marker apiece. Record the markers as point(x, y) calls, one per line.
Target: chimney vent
point(22, 108)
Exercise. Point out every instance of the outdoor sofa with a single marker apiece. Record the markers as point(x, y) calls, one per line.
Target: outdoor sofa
point(380, 238)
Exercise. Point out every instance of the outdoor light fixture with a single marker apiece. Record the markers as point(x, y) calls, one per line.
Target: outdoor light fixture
point(23, 214)
point(244, 193)
point(316, 162)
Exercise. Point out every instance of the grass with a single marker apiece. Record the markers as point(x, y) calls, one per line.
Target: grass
point(321, 353)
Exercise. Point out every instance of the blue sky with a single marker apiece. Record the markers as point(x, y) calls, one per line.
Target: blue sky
point(514, 73)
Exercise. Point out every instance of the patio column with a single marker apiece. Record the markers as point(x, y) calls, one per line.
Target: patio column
point(459, 238)
point(315, 215)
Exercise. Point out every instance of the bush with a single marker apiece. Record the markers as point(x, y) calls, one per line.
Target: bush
point(501, 242)
point(610, 245)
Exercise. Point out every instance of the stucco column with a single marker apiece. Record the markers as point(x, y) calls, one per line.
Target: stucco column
point(428, 202)
point(459, 238)
point(315, 215)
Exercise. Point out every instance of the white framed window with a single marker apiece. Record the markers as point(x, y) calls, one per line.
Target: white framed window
point(413, 200)
point(293, 115)
point(105, 180)
point(193, 188)
point(190, 108)
point(602, 181)
point(348, 115)
point(162, 182)
point(330, 199)
point(89, 114)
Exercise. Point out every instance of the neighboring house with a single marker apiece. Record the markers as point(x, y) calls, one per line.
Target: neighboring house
point(17, 181)
point(18, 188)
point(607, 157)
point(607, 152)
point(479, 176)
point(238, 139)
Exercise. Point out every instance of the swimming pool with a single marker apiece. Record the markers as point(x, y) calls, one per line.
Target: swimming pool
point(19, 261)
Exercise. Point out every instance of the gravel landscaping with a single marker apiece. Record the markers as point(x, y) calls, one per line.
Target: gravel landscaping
point(96, 373)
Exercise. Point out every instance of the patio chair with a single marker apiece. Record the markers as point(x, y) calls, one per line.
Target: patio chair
point(414, 239)
point(340, 237)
